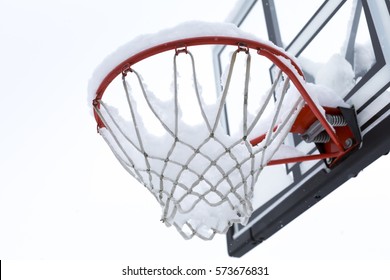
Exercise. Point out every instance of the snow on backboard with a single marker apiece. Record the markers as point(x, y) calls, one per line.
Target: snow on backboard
point(343, 45)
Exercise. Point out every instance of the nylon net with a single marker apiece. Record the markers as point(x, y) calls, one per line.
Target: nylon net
point(202, 177)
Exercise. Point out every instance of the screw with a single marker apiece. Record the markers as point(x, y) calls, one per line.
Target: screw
point(329, 160)
point(348, 143)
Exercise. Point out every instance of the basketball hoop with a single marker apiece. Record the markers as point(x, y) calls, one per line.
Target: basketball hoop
point(202, 177)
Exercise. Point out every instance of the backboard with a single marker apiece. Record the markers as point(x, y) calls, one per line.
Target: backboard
point(340, 44)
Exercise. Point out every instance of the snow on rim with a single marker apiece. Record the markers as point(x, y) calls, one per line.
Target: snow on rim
point(185, 30)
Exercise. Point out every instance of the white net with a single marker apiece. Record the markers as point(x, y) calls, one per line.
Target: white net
point(202, 177)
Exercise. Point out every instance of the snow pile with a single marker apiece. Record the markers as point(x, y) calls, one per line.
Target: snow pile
point(364, 59)
point(337, 74)
point(185, 30)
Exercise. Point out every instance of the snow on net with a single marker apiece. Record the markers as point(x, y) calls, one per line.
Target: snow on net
point(202, 177)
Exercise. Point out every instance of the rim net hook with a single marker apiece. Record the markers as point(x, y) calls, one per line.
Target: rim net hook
point(126, 69)
point(180, 50)
point(242, 48)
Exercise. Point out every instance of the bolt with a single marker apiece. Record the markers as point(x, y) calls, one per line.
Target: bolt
point(348, 143)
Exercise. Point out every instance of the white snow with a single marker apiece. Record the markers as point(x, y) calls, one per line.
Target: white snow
point(364, 58)
point(185, 30)
point(325, 96)
point(286, 151)
point(337, 74)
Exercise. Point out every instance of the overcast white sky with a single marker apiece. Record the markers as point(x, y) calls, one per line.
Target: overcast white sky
point(63, 195)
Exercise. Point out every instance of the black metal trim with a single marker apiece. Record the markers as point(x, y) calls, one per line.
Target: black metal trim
point(379, 57)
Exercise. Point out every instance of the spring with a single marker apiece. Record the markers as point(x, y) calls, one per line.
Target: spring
point(336, 120)
point(323, 137)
